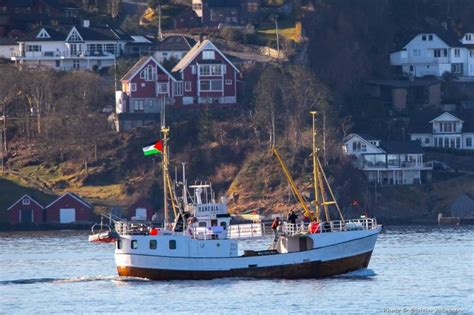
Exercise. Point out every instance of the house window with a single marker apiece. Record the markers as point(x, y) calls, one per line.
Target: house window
point(110, 48)
point(427, 140)
point(430, 37)
point(208, 55)
point(211, 85)
point(58, 63)
point(94, 49)
point(178, 88)
point(423, 37)
point(150, 103)
point(153, 244)
point(26, 201)
point(364, 148)
point(216, 69)
point(411, 68)
point(469, 142)
point(172, 244)
point(74, 37)
point(162, 88)
point(138, 105)
point(468, 36)
point(76, 64)
point(33, 48)
point(193, 69)
point(458, 143)
point(457, 52)
point(134, 244)
point(204, 70)
point(210, 70)
point(148, 74)
point(133, 87)
point(228, 82)
point(416, 52)
point(457, 67)
point(187, 86)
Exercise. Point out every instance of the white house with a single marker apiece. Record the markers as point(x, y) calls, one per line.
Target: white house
point(444, 130)
point(387, 162)
point(434, 53)
point(75, 47)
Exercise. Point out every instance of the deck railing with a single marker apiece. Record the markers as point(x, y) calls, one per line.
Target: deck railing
point(331, 226)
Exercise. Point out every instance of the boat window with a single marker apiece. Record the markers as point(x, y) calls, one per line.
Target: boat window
point(202, 224)
point(153, 244)
point(224, 224)
point(119, 244)
point(134, 244)
point(172, 244)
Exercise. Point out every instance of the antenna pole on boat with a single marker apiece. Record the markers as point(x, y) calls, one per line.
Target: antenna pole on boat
point(315, 167)
point(185, 197)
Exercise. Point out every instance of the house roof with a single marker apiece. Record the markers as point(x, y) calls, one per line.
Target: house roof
point(176, 43)
point(139, 40)
point(396, 147)
point(194, 52)
point(87, 33)
point(420, 120)
point(140, 64)
point(22, 197)
point(404, 83)
point(74, 196)
point(446, 35)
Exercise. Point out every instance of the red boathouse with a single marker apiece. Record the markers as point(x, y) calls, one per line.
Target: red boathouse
point(25, 211)
point(69, 208)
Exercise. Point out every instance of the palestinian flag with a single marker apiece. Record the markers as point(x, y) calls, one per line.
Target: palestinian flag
point(154, 148)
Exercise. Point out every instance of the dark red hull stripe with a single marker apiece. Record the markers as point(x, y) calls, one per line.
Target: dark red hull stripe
point(315, 269)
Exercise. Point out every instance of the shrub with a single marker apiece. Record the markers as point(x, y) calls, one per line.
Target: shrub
point(231, 34)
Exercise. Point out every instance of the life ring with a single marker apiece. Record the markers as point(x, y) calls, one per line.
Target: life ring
point(314, 227)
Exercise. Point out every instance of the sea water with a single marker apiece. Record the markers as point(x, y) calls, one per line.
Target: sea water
point(413, 270)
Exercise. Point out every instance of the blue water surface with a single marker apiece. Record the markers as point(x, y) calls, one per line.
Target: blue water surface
point(414, 270)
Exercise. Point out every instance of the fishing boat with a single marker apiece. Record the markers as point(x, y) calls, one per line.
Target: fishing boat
point(201, 243)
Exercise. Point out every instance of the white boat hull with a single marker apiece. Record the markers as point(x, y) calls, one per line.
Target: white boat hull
point(332, 253)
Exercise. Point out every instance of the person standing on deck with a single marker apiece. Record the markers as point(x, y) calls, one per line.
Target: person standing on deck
point(275, 225)
point(292, 216)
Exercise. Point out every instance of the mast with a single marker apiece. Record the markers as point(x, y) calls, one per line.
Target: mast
point(165, 132)
point(315, 168)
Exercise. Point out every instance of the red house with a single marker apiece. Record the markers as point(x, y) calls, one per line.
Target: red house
point(69, 208)
point(208, 76)
point(142, 209)
point(26, 211)
point(145, 87)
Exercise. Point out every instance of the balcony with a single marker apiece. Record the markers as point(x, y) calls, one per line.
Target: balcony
point(401, 58)
point(60, 54)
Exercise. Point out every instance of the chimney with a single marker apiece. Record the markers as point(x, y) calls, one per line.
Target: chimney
point(86, 23)
point(201, 37)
